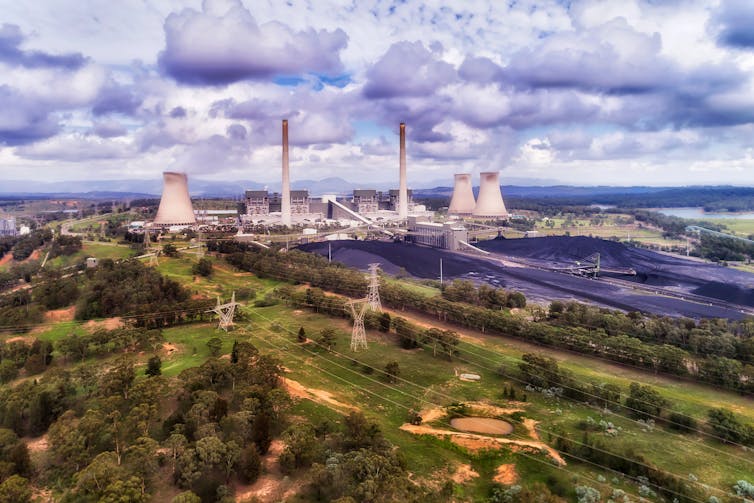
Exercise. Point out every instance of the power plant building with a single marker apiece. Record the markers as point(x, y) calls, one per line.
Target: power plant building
point(257, 202)
point(8, 226)
point(366, 201)
point(490, 201)
point(448, 235)
point(175, 204)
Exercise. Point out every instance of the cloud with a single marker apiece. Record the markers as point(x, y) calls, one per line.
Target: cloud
point(116, 98)
point(76, 147)
point(11, 54)
point(407, 69)
point(224, 44)
point(108, 129)
point(734, 23)
point(23, 120)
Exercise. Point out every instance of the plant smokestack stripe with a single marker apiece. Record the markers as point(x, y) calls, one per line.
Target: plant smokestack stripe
point(285, 203)
point(403, 187)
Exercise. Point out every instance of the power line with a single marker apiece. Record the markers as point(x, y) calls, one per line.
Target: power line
point(546, 431)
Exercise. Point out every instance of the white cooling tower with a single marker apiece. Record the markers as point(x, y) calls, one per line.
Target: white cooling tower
point(175, 204)
point(462, 202)
point(490, 201)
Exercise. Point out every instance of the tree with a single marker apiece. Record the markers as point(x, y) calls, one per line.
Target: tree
point(385, 322)
point(15, 489)
point(250, 464)
point(644, 401)
point(327, 338)
point(187, 497)
point(154, 366)
point(215, 345)
point(301, 335)
point(728, 428)
point(392, 370)
point(170, 250)
point(119, 378)
point(203, 267)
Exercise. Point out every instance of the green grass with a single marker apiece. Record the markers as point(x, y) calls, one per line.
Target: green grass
point(92, 249)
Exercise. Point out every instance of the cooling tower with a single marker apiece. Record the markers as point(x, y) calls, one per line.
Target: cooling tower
point(175, 204)
point(403, 188)
point(490, 201)
point(462, 202)
point(285, 203)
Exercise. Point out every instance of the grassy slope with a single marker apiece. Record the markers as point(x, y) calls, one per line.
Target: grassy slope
point(431, 456)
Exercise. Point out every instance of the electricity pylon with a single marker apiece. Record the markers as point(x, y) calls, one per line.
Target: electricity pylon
point(373, 294)
point(358, 336)
point(225, 312)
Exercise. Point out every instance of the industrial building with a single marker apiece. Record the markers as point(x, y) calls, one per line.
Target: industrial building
point(7, 226)
point(175, 204)
point(448, 235)
point(257, 203)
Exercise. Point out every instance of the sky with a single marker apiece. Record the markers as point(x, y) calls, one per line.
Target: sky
point(626, 92)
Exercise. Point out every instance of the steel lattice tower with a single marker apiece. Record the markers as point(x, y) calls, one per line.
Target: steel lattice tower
point(358, 336)
point(373, 294)
point(226, 312)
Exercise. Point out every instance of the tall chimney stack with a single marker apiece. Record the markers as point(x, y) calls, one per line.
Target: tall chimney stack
point(285, 206)
point(403, 189)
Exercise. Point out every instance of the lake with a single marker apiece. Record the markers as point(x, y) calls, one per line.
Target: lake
point(700, 214)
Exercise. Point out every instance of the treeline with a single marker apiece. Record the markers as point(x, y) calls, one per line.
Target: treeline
point(654, 343)
point(712, 198)
point(26, 245)
point(133, 289)
point(641, 402)
point(718, 248)
point(32, 357)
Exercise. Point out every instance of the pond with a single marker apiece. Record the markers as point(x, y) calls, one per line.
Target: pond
point(482, 425)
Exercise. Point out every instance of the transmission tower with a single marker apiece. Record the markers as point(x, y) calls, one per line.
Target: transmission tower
point(358, 311)
point(153, 260)
point(373, 294)
point(225, 312)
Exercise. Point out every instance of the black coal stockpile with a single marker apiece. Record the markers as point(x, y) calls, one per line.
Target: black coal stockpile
point(541, 285)
point(419, 261)
point(652, 268)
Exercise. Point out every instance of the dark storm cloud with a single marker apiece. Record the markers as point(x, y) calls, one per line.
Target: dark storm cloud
point(223, 44)
point(482, 70)
point(23, 120)
point(407, 69)
point(178, 113)
point(109, 129)
point(734, 23)
point(11, 39)
point(116, 98)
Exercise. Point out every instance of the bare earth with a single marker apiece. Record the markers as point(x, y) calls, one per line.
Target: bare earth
point(506, 474)
point(463, 474)
point(272, 485)
point(476, 442)
point(57, 315)
point(298, 390)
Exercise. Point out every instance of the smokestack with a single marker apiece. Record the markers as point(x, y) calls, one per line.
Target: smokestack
point(285, 206)
point(462, 202)
point(490, 201)
point(175, 203)
point(403, 188)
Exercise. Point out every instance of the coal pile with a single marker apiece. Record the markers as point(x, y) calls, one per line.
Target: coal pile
point(652, 268)
point(544, 286)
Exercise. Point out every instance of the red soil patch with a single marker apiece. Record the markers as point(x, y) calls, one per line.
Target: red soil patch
point(463, 474)
point(39, 444)
point(66, 314)
point(506, 474)
point(6, 258)
point(107, 324)
point(298, 390)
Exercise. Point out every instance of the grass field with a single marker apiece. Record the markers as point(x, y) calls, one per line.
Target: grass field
point(430, 382)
